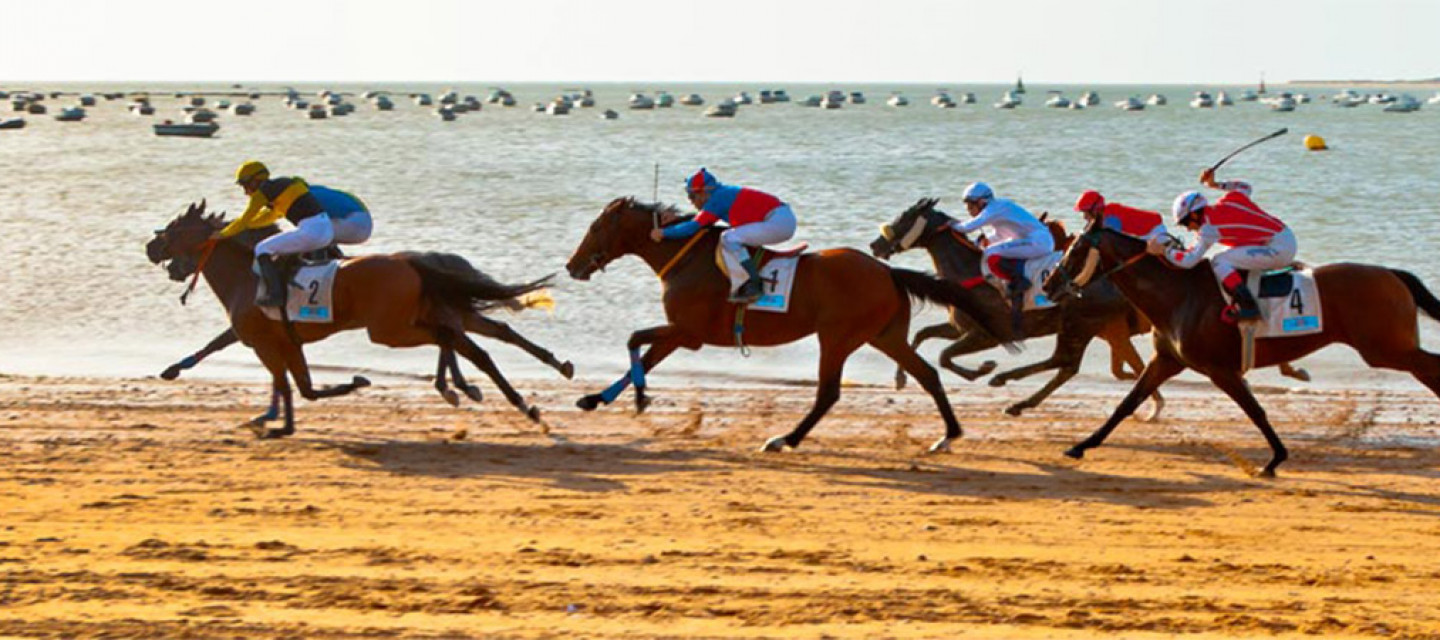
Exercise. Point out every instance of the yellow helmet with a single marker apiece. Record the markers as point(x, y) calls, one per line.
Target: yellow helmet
point(251, 170)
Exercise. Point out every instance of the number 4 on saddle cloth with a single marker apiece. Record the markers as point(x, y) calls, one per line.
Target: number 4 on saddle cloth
point(312, 281)
point(777, 275)
point(1289, 301)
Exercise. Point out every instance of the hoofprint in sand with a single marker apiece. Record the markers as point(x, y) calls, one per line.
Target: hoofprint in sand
point(135, 508)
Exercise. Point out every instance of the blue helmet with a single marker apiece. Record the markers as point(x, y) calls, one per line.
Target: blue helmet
point(978, 192)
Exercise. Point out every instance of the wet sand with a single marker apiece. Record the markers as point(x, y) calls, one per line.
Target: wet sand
point(137, 509)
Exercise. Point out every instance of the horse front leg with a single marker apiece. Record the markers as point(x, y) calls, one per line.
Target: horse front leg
point(300, 371)
point(1162, 367)
point(944, 330)
point(968, 343)
point(501, 331)
point(1234, 386)
point(282, 402)
point(1289, 370)
point(663, 341)
point(220, 342)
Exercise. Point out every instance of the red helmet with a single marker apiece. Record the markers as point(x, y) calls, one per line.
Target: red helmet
point(1089, 201)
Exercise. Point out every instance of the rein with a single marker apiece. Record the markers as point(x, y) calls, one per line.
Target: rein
point(683, 250)
point(207, 248)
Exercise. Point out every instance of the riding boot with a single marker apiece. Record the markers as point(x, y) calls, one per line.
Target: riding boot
point(274, 295)
point(1245, 307)
point(753, 288)
point(1016, 290)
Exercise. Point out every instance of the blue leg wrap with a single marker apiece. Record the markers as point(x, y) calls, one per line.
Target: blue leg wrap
point(637, 369)
point(189, 361)
point(613, 391)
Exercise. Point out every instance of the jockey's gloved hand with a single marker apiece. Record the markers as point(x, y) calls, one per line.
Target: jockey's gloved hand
point(1159, 244)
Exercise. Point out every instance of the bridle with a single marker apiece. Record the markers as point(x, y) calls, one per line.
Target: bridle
point(1092, 262)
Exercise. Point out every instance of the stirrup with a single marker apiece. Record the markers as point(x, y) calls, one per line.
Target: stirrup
point(748, 293)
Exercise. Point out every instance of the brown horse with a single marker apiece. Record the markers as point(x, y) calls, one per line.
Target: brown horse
point(401, 300)
point(1101, 312)
point(1370, 308)
point(846, 297)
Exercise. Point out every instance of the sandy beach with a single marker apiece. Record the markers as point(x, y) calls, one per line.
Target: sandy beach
point(134, 508)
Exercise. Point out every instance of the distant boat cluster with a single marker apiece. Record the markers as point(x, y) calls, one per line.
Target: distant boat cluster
point(197, 115)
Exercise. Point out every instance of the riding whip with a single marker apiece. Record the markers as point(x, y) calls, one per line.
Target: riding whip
point(1236, 152)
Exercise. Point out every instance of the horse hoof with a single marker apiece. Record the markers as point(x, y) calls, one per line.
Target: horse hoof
point(1300, 374)
point(1015, 410)
point(276, 434)
point(568, 370)
point(172, 373)
point(774, 445)
point(1267, 474)
point(1075, 452)
point(451, 398)
point(900, 380)
point(473, 393)
point(986, 367)
point(998, 381)
point(642, 402)
point(359, 382)
point(588, 403)
point(941, 446)
point(533, 413)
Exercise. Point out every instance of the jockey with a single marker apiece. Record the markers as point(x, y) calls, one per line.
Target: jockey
point(1136, 223)
point(1256, 240)
point(1015, 236)
point(321, 217)
point(756, 219)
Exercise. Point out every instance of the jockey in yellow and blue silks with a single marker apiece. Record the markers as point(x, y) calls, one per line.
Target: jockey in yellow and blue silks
point(756, 219)
point(321, 217)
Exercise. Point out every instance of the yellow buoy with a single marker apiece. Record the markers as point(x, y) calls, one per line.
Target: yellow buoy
point(1315, 143)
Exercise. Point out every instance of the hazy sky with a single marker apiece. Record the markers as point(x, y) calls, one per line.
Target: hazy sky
point(1100, 41)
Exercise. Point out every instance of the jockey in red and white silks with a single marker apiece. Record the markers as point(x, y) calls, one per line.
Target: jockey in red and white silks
point(1015, 234)
point(1256, 239)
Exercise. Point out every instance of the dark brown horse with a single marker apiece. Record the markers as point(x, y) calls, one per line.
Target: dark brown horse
point(844, 296)
point(401, 300)
point(1101, 311)
point(1370, 308)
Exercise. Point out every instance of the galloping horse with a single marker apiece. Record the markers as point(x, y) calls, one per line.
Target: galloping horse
point(1102, 311)
point(1368, 307)
point(847, 298)
point(402, 300)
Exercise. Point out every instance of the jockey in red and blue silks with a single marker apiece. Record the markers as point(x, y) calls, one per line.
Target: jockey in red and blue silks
point(1136, 223)
point(1256, 240)
point(756, 219)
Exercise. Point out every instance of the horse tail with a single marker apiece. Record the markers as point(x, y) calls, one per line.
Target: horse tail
point(928, 288)
point(451, 280)
point(1423, 298)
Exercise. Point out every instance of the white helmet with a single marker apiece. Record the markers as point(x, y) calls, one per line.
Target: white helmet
point(1186, 204)
point(977, 192)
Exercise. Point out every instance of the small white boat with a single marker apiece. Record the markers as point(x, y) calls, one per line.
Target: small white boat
point(1302, 98)
point(664, 100)
point(898, 100)
point(1058, 101)
point(1249, 95)
point(1382, 98)
point(496, 95)
point(12, 123)
point(1130, 104)
point(1009, 100)
point(724, 109)
point(1223, 99)
point(1202, 100)
point(967, 98)
point(743, 98)
point(141, 108)
point(942, 100)
point(641, 101)
point(1435, 99)
point(609, 114)
point(692, 100)
point(558, 107)
point(1157, 100)
point(1089, 98)
point(832, 100)
point(780, 95)
point(810, 101)
point(186, 129)
point(423, 100)
point(857, 97)
point(585, 99)
point(1348, 99)
point(1283, 104)
point(1403, 104)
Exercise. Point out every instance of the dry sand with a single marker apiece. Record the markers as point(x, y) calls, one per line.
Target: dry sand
point(136, 509)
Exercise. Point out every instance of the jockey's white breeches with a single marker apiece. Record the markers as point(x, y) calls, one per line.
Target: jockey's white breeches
point(317, 232)
point(778, 226)
point(1277, 253)
point(1036, 245)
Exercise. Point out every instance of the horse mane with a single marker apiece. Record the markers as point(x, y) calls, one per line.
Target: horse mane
point(651, 208)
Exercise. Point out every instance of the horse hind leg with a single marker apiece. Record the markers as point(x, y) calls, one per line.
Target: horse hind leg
point(472, 352)
point(970, 342)
point(892, 343)
point(476, 323)
point(946, 330)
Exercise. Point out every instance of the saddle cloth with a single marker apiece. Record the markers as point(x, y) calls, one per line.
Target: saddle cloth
point(1037, 270)
point(777, 275)
point(311, 294)
point(1289, 302)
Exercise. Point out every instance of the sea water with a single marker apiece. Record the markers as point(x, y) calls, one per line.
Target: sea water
point(514, 191)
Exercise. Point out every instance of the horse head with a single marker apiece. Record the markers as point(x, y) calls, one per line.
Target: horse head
point(913, 227)
point(180, 242)
point(1096, 250)
point(619, 230)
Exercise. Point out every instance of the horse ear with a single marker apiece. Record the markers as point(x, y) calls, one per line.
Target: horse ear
point(1044, 215)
